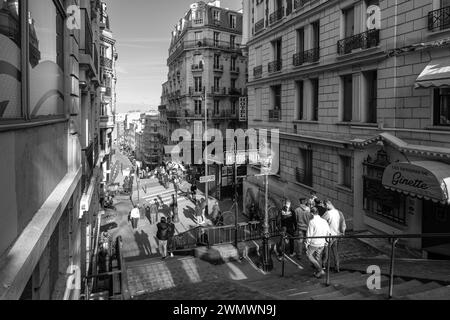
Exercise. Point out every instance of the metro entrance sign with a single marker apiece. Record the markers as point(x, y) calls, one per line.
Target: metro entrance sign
point(206, 179)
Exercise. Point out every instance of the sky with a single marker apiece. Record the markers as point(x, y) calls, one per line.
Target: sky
point(143, 29)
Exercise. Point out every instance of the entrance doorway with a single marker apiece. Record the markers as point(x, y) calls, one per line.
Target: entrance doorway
point(436, 219)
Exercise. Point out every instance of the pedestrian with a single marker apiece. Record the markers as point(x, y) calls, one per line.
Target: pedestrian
point(320, 205)
point(171, 233)
point(215, 211)
point(193, 191)
point(162, 235)
point(203, 240)
point(283, 243)
point(147, 213)
point(312, 199)
point(253, 213)
point(154, 208)
point(174, 206)
point(317, 227)
point(135, 215)
point(336, 221)
point(303, 217)
point(288, 220)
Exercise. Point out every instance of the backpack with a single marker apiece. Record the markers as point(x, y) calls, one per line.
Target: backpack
point(342, 224)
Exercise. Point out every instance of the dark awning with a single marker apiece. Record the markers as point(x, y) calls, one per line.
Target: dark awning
point(436, 74)
point(428, 180)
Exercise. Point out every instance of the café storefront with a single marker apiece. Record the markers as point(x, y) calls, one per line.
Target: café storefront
point(405, 189)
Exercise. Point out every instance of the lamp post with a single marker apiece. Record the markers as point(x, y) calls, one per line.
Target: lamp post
point(206, 153)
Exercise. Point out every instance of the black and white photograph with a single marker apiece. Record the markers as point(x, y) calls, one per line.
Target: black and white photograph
point(225, 158)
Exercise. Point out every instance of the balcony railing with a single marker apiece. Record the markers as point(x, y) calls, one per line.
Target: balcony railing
point(218, 68)
point(274, 115)
point(219, 90)
point(196, 90)
point(300, 3)
point(259, 26)
point(439, 19)
point(235, 91)
point(312, 55)
point(235, 70)
point(275, 66)
point(303, 177)
point(365, 40)
point(105, 62)
point(197, 67)
point(277, 15)
point(257, 72)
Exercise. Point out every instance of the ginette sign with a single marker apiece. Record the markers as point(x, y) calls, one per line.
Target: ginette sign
point(426, 179)
point(243, 109)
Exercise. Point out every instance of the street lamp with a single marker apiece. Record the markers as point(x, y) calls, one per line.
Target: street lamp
point(205, 99)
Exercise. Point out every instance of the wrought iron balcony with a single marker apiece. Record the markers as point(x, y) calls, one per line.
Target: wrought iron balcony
point(235, 70)
point(303, 177)
point(257, 72)
point(275, 66)
point(235, 92)
point(439, 19)
point(312, 55)
point(196, 91)
point(218, 90)
point(364, 40)
point(300, 3)
point(274, 115)
point(259, 26)
point(105, 62)
point(218, 68)
point(197, 67)
point(277, 15)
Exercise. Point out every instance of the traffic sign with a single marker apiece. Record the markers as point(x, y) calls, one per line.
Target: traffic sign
point(206, 179)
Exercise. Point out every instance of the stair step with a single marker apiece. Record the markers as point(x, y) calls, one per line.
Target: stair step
point(306, 295)
point(442, 293)
point(424, 287)
point(330, 296)
point(353, 296)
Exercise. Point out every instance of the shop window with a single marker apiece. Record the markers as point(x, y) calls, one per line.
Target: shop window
point(441, 109)
point(379, 201)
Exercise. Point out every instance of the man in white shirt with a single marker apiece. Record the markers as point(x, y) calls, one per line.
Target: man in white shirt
point(135, 215)
point(317, 227)
point(333, 217)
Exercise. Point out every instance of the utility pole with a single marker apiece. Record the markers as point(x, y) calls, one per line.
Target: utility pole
point(266, 160)
point(236, 201)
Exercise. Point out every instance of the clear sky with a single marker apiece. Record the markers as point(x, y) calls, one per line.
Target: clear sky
point(143, 29)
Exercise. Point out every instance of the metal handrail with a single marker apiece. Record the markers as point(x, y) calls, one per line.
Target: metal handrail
point(394, 240)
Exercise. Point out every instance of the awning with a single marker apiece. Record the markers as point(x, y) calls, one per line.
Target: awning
point(429, 180)
point(436, 74)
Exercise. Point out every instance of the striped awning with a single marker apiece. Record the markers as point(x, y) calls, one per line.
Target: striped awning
point(429, 180)
point(436, 74)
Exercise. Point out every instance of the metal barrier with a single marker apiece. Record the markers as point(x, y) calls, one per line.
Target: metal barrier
point(394, 238)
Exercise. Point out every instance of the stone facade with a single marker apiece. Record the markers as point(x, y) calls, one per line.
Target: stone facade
point(365, 82)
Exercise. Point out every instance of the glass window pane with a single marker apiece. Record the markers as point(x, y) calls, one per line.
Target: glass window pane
point(10, 65)
point(46, 62)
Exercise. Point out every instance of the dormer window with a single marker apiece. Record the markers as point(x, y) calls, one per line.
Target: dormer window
point(232, 21)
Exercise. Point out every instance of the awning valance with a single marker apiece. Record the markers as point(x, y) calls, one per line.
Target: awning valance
point(428, 180)
point(436, 74)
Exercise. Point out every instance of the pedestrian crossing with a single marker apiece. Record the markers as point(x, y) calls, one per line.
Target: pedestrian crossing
point(163, 195)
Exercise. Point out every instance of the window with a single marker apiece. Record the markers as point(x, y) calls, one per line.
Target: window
point(441, 103)
point(216, 16)
point(299, 98)
point(258, 103)
point(233, 83)
point(370, 113)
point(276, 94)
point(233, 63)
point(276, 46)
point(258, 56)
point(198, 107)
point(198, 36)
point(300, 40)
point(234, 107)
point(216, 107)
point(315, 27)
point(304, 171)
point(345, 171)
point(216, 61)
point(232, 21)
point(216, 38)
point(349, 22)
point(216, 83)
point(198, 84)
point(315, 99)
point(232, 42)
point(347, 101)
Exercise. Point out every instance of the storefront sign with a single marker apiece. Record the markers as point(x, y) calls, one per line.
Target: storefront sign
point(420, 179)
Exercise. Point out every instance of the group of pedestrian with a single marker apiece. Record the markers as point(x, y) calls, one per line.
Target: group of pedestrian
point(165, 234)
point(307, 228)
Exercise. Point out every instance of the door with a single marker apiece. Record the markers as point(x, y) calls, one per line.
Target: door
point(435, 219)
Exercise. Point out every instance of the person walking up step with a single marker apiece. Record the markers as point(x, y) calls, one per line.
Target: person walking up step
point(336, 221)
point(317, 227)
point(162, 235)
